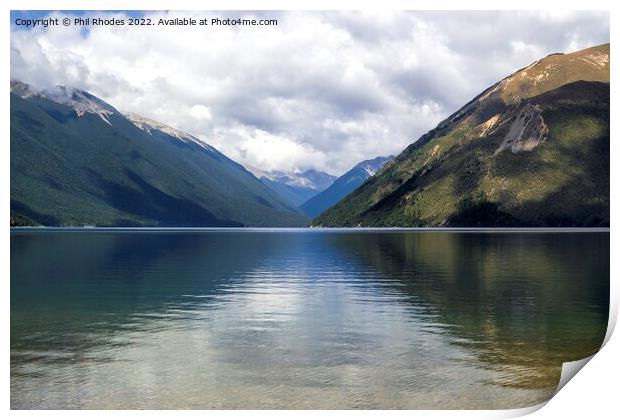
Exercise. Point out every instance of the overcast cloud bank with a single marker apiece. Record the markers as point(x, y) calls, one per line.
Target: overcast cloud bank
point(321, 90)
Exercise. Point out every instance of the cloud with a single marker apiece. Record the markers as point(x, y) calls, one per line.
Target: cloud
point(320, 90)
point(249, 145)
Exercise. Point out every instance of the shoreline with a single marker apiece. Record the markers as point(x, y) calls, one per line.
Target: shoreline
point(315, 229)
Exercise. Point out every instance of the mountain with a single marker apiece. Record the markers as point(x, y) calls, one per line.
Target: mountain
point(76, 160)
point(531, 150)
point(295, 188)
point(343, 186)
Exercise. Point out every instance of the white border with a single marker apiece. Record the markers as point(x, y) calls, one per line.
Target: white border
point(593, 393)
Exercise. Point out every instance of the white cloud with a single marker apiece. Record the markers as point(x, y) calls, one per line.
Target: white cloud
point(200, 112)
point(267, 151)
point(320, 90)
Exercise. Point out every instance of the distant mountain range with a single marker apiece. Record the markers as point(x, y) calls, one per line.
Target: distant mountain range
point(76, 160)
point(531, 150)
point(344, 185)
point(295, 188)
point(313, 191)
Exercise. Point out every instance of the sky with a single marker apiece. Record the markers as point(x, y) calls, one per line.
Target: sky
point(321, 90)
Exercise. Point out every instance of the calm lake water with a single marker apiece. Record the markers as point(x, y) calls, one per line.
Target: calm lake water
point(301, 318)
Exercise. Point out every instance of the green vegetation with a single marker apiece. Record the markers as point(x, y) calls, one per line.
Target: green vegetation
point(473, 170)
point(18, 220)
point(70, 170)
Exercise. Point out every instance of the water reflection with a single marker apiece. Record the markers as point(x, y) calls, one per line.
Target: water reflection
point(523, 303)
point(301, 319)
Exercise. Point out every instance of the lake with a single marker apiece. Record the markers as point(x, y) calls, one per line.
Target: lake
point(301, 318)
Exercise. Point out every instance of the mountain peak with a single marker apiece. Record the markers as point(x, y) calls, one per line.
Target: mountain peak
point(372, 166)
point(294, 187)
point(551, 72)
point(344, 185)
point(80, 100)
point(310, 179)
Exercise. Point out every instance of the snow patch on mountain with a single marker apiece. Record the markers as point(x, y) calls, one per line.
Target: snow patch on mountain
point(148, 125)
point(372, 166)
point(370, 171)
point(81, 101)
point(310, 179)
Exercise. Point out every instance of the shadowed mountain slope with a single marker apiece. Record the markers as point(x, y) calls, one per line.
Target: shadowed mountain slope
point(76, 160)
point(344, 185)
